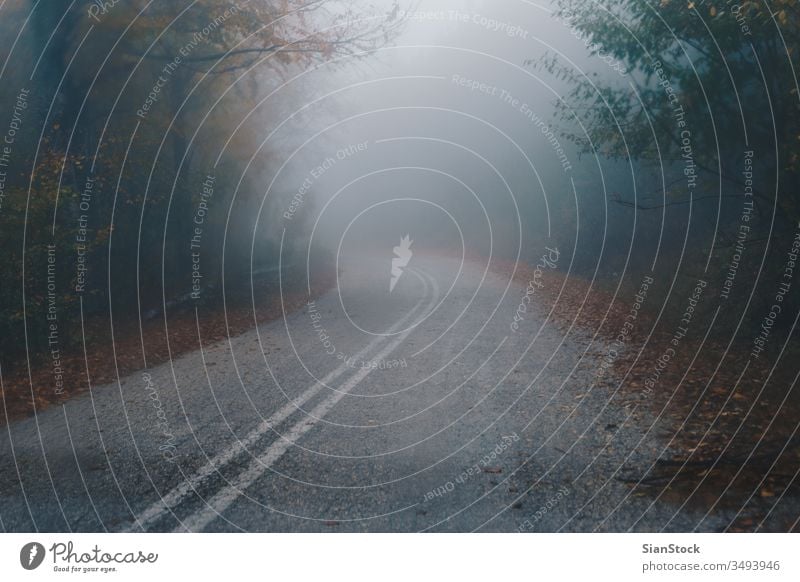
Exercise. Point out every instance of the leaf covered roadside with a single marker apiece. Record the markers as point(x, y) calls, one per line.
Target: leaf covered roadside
point(726, 429)
point(108, 357)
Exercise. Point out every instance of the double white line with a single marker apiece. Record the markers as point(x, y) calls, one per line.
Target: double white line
point(215, 506)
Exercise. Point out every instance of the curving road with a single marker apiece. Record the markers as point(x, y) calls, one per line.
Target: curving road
point(370, 410)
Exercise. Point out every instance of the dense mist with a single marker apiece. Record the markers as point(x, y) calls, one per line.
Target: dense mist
point(399, 265)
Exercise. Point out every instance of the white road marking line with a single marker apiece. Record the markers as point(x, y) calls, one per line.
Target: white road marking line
point(175, 496)
point(227, 495)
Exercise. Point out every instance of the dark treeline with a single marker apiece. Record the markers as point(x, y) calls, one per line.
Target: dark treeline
point(128, 131)
point(696, 105)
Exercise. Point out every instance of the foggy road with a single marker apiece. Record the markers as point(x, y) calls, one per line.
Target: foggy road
point(427, 407)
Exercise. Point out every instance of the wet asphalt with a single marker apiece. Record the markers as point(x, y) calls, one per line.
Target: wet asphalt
point(419, 409)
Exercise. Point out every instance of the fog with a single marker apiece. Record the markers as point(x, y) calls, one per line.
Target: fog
point(445, 134)
point(399, 265)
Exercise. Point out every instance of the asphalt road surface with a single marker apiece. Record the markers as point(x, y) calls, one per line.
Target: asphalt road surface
point(419, 409)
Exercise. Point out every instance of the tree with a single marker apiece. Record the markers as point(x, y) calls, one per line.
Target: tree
point(117, 91)
point(703, 82)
